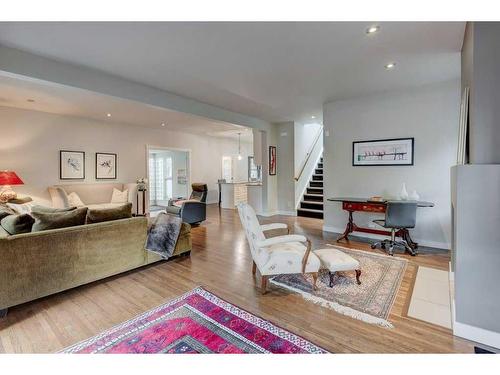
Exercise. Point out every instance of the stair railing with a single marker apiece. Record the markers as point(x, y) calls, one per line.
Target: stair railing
point(312, 157)
point(308, 155)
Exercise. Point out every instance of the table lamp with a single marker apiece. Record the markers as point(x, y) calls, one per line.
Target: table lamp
point(8, 178)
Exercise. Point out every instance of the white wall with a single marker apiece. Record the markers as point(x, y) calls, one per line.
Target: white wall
point(430, 114)
point(285, 167)
point(305, 135)
point(31, 141)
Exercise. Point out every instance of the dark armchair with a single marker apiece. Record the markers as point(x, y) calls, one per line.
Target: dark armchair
point(194, 209)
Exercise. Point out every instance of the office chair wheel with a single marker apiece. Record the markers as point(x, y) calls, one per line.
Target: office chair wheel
point(382, 246)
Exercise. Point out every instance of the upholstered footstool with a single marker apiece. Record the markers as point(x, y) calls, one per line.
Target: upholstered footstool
point(335, 260)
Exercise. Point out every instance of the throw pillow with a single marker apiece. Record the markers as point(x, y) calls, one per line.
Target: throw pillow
point(119, 196)
point(54, 220)
point(50, 209)
point(5, 211)
point(109, 214)
point(24, 208)
point(74, 200)
point(17, 224)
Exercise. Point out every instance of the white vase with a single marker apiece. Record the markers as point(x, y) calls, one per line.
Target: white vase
point(414, 196)
point(403, 194)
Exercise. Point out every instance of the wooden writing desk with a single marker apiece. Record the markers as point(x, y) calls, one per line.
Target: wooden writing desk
point(365, 205)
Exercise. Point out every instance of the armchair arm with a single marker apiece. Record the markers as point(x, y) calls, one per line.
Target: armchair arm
point(193, 211)
point(272, 226)
point(281, 239)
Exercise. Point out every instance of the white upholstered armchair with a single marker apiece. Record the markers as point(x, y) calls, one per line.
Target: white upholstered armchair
point(277, 255)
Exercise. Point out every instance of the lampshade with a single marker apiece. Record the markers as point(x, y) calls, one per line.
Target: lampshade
point(10, 178)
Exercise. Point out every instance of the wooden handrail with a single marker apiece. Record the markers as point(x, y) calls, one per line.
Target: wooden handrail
point(309, 154)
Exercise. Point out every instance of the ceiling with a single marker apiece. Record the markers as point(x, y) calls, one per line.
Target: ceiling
point(51, 98)
point(276, 71)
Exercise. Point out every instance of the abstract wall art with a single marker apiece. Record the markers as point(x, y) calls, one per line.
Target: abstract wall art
point(105, 166)
point(71, 165)
point(398, 151)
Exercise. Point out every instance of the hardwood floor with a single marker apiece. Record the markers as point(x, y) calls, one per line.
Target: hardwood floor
point(221, 262)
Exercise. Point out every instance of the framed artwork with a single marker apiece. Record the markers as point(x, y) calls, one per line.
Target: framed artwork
point(71, 165)
point(272, 160)
point(105, 166)
point(398, 151)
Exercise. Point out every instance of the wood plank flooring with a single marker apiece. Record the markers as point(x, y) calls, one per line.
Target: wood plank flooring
point(221, 262)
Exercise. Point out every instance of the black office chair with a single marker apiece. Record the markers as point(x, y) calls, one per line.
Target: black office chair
point(398, 215)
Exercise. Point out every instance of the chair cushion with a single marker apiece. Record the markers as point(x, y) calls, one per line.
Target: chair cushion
point(61, 219)
point(174, 210)
point(119, 196)
point(287, 258)
point(335, 260)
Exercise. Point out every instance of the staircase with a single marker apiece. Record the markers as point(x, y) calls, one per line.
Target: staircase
point(311, 204)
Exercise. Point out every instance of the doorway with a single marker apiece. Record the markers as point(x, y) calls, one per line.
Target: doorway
point(168, 176)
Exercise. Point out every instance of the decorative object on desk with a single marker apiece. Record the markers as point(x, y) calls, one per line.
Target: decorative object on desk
point(371, 301)
point(463, 131)
point(71, 165)
point(272, 160)
point(7, 179)
point(398, 151)
point(403, 194)
point(196, 322)
point(414, 196)
point(105, 166)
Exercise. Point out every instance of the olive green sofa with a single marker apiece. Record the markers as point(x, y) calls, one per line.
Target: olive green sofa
point(37, 264)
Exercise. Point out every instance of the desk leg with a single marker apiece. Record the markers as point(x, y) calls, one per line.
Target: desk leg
point(349, 229)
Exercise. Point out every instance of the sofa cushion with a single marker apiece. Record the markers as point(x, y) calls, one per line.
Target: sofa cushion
point(119, 196)
point(24, 208)
point(74, 200)
point(17, 224)
point(61, 219)
point(5, 211)
point(59, 197)
point(108, 214)
point(39, 208)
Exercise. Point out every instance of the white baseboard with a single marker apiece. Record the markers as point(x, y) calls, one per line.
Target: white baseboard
point(435, 244)
point(477, 334)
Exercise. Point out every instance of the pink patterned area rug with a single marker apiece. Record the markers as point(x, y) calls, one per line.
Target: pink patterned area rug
point(196, 322)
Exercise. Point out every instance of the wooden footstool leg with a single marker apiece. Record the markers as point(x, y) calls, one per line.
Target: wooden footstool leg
point(358, 274)
point(331, 279)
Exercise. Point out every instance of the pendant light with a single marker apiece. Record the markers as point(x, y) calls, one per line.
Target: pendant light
point(239, 147)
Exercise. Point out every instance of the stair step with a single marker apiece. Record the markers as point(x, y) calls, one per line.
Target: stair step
point(309, 212)
point(314, 190)
point(318, 171)
point(316, 184)
point(312, 205)
point(317, 177)
point(320, 165)
point(313, 197)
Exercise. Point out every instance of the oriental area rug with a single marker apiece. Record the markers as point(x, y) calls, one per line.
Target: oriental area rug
point(196, 322)
point(371, 302)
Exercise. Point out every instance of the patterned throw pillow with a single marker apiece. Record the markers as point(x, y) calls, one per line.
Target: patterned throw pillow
point(119, 196)
point(74, 200)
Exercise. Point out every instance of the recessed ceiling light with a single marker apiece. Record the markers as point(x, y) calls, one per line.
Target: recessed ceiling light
point(390, 65)
point(162, 124)
point(372, 29)
point(109, 115)
point(313, 117)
